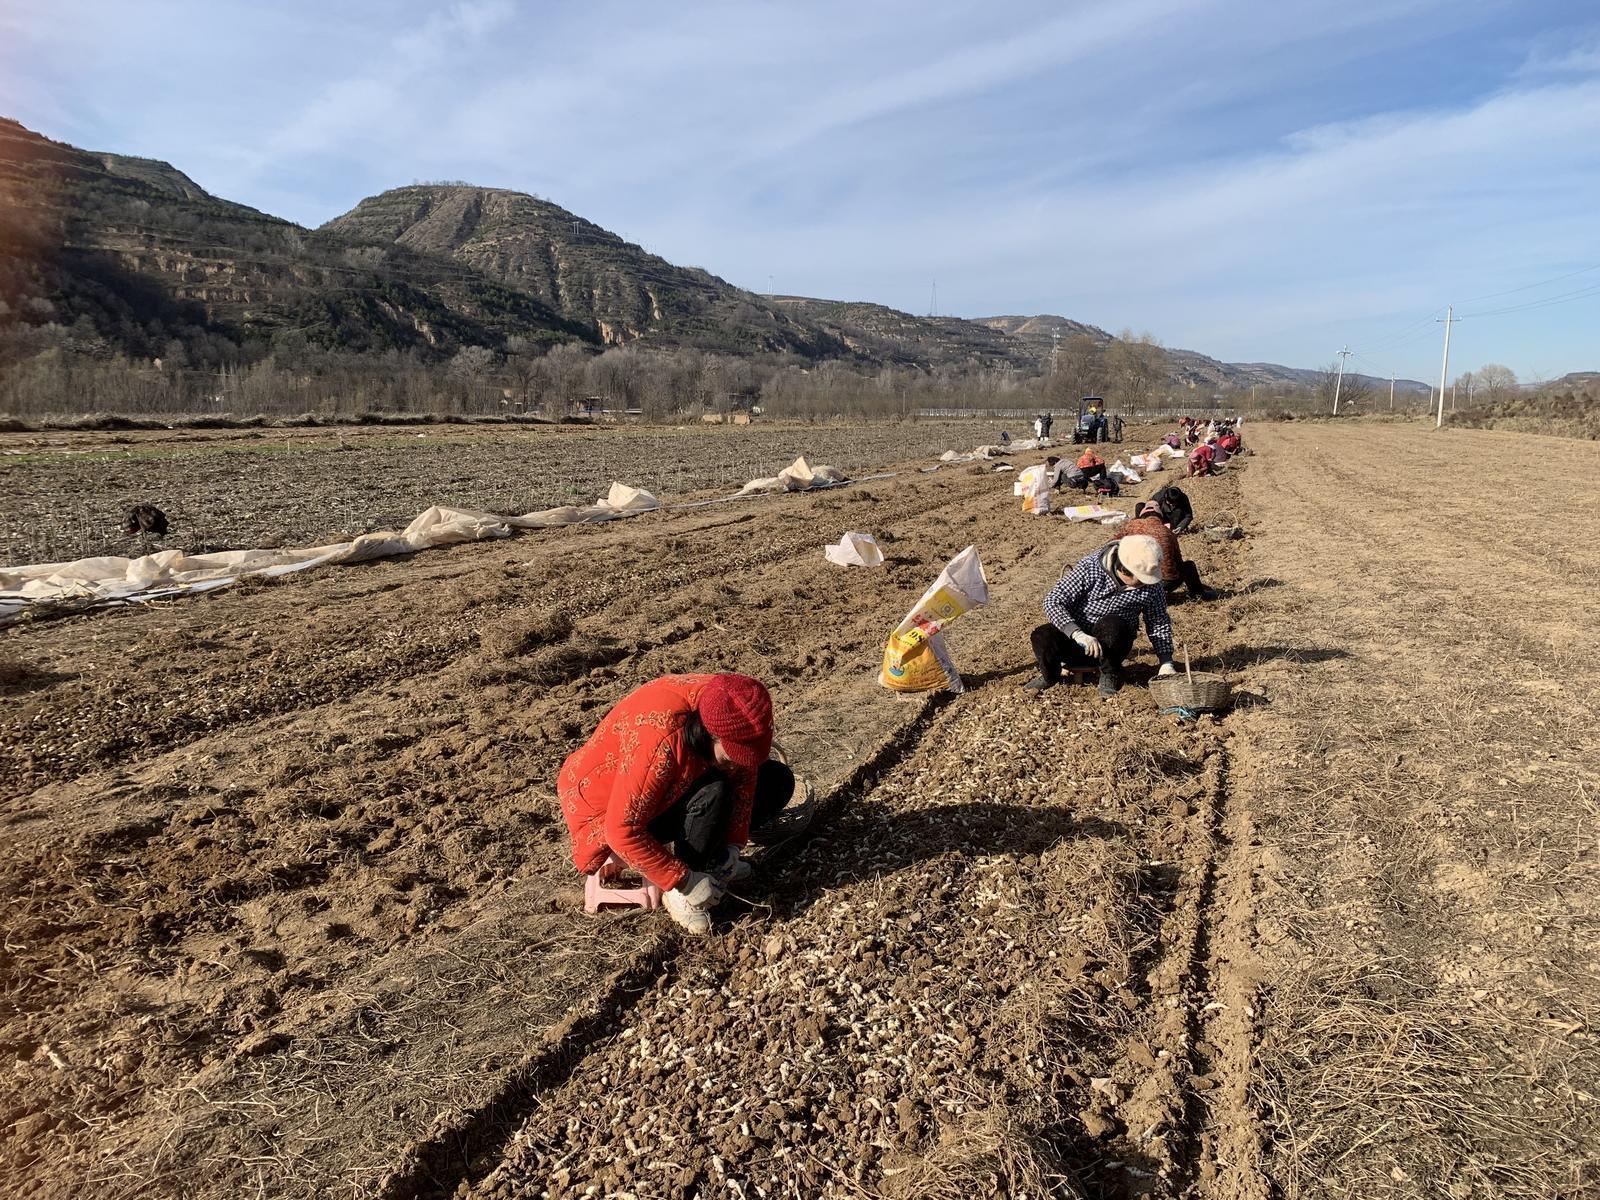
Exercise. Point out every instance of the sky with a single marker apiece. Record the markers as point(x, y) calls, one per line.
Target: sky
point(1259, 180)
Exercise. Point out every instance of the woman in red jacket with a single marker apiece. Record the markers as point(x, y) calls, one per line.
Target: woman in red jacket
point(679, 762)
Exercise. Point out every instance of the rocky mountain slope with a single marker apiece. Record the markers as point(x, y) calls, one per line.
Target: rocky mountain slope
point(132, 255)
point(133, 252)
point(589, 275)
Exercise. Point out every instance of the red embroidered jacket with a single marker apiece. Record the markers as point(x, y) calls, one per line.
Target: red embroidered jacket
point(634, 766)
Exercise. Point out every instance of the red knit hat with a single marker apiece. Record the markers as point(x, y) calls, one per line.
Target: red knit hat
point(737, 711)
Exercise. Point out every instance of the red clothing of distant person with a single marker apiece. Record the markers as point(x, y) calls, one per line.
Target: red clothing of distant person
point(1171, 556)
point(1090, 459)
point(1229, 442)
point(635, 766)
point(1201, 459)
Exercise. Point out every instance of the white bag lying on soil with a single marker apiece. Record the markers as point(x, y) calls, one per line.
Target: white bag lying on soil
point(1123, 473)
point(88, 582)
point(1094, 512)
point(916, 658)
point(855, 550)
point(798, 476)
point(1017, 447)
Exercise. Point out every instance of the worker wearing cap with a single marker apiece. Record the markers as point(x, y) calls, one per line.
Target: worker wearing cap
point(679, 762)
point(1094, 612)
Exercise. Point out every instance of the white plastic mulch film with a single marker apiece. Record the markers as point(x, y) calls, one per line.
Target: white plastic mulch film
point(798, 476)
point(90, 582)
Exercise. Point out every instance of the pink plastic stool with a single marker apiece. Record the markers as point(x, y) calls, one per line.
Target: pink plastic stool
point(597, 893)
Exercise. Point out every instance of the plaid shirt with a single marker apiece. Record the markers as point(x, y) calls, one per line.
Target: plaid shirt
point(1089, 592)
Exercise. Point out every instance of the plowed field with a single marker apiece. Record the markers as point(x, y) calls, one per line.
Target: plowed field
point(290, 912)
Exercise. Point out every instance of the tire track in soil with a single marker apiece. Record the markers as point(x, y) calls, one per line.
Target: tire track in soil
point(1192, 1063)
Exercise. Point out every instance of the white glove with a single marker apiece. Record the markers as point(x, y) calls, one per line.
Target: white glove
point(1090, 644)
point(732, 869)
point(699, 889)
point(1167, 669)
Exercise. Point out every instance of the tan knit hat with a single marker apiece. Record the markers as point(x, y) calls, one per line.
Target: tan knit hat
point(1140, 556)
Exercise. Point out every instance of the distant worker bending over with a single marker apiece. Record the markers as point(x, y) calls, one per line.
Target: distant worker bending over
point(1094, 612)
point(672, 781)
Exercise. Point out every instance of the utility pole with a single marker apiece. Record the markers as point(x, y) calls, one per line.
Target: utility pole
point(1444, 368)
point(1391, 391)
point(1055, 347)
point(933, 302)
point(1339, 382)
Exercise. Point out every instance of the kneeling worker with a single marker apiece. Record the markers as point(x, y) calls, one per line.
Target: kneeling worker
point(1094, 613)
point(681, 761)
point(1176, 570)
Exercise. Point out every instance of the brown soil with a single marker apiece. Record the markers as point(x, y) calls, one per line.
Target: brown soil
point(291, 912)
point(68, 493)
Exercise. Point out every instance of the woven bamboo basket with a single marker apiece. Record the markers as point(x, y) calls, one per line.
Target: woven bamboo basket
point(1199, 691)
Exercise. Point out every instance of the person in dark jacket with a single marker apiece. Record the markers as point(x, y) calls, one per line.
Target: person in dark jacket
point(1175, 508)
point(1094, 613)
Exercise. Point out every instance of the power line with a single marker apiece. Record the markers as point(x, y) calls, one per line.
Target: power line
point(1547, 302)
point(1530, 286)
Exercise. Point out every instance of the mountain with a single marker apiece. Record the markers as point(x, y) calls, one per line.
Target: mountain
point(886, 335)
point(129, 255)
point(134, 253)
point(589, 275)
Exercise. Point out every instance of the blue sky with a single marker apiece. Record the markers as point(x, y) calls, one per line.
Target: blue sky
point(1255, 179)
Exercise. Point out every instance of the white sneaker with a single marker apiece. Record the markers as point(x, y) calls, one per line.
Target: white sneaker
point(687, 913)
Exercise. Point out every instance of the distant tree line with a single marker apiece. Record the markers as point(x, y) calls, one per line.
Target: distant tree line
point(51, 368)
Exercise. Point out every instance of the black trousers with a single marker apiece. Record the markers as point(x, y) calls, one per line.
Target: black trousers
point(696, 826)
point(1053, 649)
point(1190, 580)
point(1090, 474)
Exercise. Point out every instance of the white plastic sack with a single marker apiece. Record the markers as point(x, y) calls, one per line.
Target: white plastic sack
point(1094, 512)
point(916, 658)
point(855, 550)
point(1123, 473)
point(1033, 485)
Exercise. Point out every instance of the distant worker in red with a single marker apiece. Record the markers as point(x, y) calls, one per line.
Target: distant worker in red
point(1202, 460)
point(682, 762)
point(1091, 466)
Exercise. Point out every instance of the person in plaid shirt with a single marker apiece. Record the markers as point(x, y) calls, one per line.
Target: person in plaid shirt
point(1094, 612)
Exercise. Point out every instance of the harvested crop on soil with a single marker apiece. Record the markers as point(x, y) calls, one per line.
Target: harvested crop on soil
point(291, 912)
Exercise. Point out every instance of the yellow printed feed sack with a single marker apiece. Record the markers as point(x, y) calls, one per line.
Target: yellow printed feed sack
point(915, 659)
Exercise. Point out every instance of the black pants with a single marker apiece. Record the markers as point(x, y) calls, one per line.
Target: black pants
point(1090, 474)
point(696, 826)
point(1190, 580)
point(1053, 649)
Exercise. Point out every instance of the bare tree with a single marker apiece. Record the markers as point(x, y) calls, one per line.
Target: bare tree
point(1497, 383)
point(1353, 390)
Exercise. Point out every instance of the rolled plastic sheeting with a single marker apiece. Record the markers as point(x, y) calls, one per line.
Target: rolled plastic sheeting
point(798, 476)
point(89, 582)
